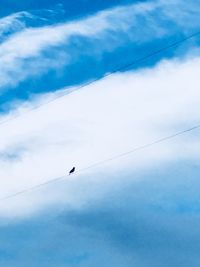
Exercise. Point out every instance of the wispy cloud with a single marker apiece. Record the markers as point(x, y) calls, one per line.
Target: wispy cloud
point(23, 54)
point(133, 222)
point(13, 23)
point(136, 210)
point(76, 130)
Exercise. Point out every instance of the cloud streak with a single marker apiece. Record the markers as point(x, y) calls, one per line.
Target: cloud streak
point(140, 210)
point(76, 130)
point(23, 54)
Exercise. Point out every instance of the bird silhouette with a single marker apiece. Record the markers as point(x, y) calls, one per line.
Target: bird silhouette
point(72, 170)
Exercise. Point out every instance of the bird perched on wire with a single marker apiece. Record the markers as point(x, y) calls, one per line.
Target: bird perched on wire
point(72, 170)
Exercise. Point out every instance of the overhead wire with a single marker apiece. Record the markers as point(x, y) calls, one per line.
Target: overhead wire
point(134, 150)
point(121, 68)
point(145, 146)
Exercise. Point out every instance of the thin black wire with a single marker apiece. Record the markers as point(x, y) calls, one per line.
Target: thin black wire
point(122, 68)
point(145, 146)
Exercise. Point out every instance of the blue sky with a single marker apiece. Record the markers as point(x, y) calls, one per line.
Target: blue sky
point(77, 57)
point(138, 211)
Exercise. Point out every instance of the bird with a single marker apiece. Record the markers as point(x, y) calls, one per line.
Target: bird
point(72, 170)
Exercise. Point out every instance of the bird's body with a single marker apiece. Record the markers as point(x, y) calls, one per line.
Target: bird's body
point(72, 170)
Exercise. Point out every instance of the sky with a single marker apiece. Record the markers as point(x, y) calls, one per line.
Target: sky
point(61, 106)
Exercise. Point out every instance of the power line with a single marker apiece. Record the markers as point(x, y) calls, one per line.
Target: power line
point(122, 68)
point(142, 147)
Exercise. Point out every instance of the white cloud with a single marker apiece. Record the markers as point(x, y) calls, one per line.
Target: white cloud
point(22, 56)
point(13, 23)
point(96, 123)
point(183, 13)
